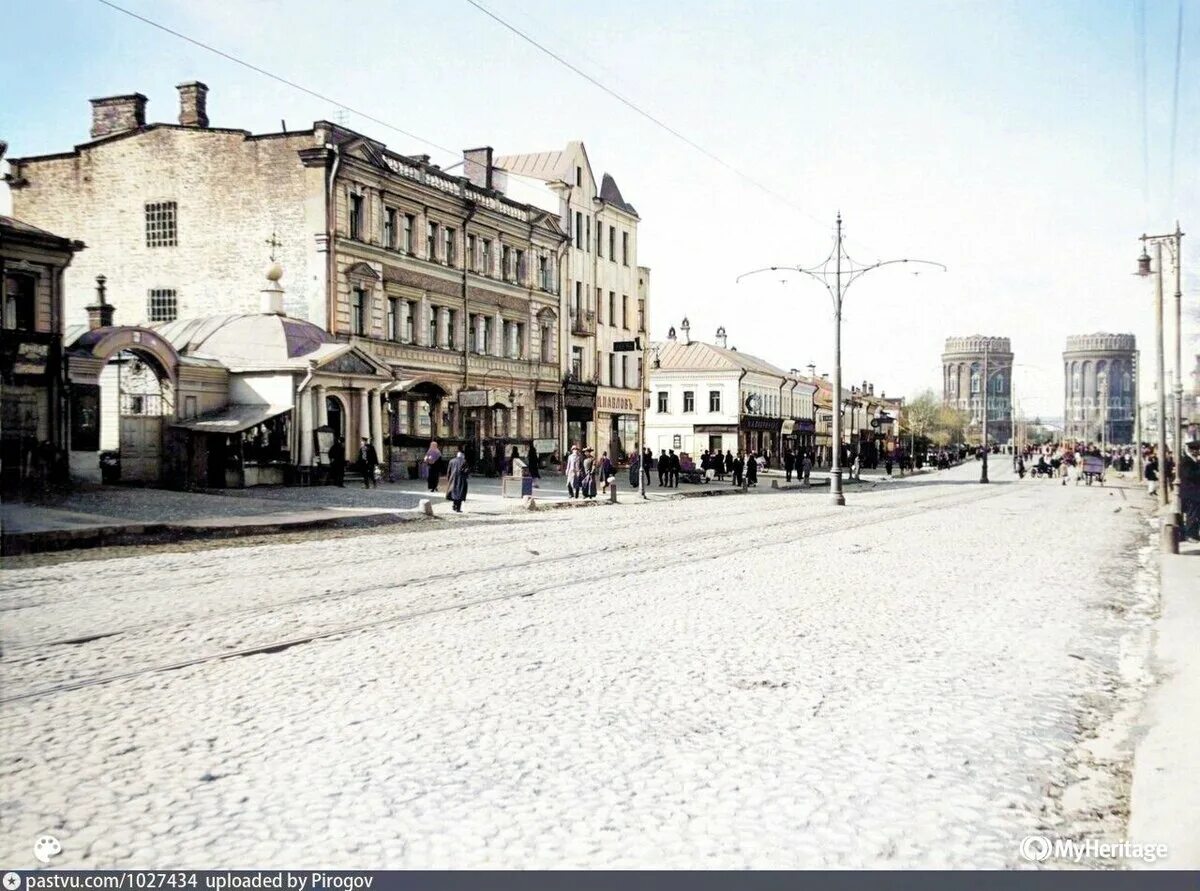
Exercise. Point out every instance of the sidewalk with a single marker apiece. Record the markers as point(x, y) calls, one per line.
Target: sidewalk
point(1165, 801)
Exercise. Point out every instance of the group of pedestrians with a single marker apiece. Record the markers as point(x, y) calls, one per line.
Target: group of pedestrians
point(583, 470)
point(366, 463)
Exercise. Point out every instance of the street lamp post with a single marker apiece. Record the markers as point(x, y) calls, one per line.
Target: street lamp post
point(834, 284)
point(1168, 542)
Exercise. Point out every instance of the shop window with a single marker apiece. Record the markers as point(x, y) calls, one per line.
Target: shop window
point(20, 302)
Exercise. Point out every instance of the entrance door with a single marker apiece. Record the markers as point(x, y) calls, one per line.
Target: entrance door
point(141, 448)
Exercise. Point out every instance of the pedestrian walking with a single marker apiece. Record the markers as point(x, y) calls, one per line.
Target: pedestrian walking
point(368, 460)
point(729, 463)
point(856, 469)
point(534, 461)
point(1189, 489)
point(433, 465)
point(664, 468)
point(672, 470)
point(647, 460)
point(456, 481)
point(589, 474)
point(752, 470)
point(337, 463)
point(789, 463)
point(739, 464)
point(574, 473)
point(806, 464)
point(605, 469)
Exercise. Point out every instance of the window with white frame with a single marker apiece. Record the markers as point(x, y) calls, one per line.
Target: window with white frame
point(161, 220)
point(393, 318)
point(356, 215)
point(664, 402)
point(162, 305)
point(714, 401)
point(689, 401)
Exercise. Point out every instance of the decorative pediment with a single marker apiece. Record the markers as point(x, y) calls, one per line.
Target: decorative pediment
point(354, 361)
point(363, 272)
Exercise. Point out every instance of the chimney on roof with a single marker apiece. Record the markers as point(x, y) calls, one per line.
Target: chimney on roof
point(671, 333)
point(478, 166)
point(100, 313)
point(721, 338)
point(686, 328)
point(117, 114)
point(193, 104)
point(871, 390)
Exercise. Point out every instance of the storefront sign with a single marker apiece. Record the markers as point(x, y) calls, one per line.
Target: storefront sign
point(579, 395)
point(472, 398)
point(715, 428)
point(788, 426)
point(804, 425)
point(623, 403)
point(751, 423)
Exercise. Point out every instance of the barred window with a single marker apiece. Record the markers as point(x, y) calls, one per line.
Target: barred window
point(162, 305)
point(160, 224)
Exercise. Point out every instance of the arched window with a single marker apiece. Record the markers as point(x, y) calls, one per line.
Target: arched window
point(975, 379)
point(1076, 382)
point(998, 385)
point(1126, 382)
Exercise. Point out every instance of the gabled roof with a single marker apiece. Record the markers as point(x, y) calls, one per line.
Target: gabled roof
point(675, 355)
point(611, 194)
point(548, 166)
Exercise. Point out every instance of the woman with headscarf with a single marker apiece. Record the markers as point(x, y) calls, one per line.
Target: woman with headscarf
point(456, 481)
point(433, 465)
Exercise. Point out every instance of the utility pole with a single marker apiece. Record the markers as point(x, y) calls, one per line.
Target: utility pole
point(832, 279)
point(983, 474)
point(1137, 414)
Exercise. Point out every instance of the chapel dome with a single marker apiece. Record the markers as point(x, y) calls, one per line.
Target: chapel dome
point(244, 337)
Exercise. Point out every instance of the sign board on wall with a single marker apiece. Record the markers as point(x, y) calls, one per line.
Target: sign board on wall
point(472, 398)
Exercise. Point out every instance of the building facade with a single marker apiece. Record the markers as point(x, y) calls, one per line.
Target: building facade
point(605, 294)
point(964, 387)
point(1100, 388)
point(33, 397)
point(443, 279)
point(709, 396)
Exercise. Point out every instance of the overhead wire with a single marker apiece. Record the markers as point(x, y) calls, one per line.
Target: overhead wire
point(275, 77)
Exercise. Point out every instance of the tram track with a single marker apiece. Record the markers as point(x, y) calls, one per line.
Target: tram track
point(332, 596)
point(786, 535)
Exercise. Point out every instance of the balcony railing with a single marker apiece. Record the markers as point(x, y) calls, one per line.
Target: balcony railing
point(583, 322)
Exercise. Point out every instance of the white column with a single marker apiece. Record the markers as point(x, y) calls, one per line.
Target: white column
point(364, 417)
point(377, 422)
point(443, 328)
point(304, 427)
point(322, 414)
point(422, 326)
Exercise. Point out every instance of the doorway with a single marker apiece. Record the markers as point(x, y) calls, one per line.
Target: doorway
point(336, 417)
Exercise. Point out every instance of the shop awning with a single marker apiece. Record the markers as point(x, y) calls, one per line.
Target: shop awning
point(232, 418)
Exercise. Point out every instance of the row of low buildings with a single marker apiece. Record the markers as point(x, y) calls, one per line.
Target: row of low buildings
point(490, 306)
point(712, 396)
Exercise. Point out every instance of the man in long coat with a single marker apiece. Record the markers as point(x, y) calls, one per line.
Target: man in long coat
point(456, 481)
point(368, 460)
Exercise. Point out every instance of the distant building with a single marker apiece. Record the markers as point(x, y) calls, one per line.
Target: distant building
point(1099, 387)
point(33, 396)
point(964, 387)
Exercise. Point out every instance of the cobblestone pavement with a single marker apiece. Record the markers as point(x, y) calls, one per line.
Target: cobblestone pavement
point(920, 678)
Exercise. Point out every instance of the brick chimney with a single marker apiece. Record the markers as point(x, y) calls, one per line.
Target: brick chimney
point(193, 104)
point(100, 313)
point(117, 114)
point(478, 167)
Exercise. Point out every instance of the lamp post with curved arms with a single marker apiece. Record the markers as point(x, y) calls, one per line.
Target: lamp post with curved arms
point(837, 280)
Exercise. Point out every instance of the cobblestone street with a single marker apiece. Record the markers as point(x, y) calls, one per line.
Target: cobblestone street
point(919, 679)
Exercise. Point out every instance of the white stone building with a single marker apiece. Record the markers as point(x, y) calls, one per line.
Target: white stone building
point(710, 396)
point(605, 293)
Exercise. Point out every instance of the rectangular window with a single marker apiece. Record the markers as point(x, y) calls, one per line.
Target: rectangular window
point(625, 248)
point(579, 176)
point(449, 255)
point(410, 223)
point(358, 312)
point(389, 228)
point(546, 423)
point(452, 328)
point(599, 239)
point(162, 305)
point(599, 307)
point(520, 352)
point(473, 253)
point(579, 300)
point(714, 401)
point(506, 256)
point(641, 315)
point(489, 336)
point(579, 230)
point(625, 381)
point(625, 311)
point(577, 362)
point(20, 302)
point(612, 308)
point(433, 325)
point(663, 402)
point(587, 240)
point(544, 273)
point(393, 318)
point(431, 243)
point(612, 370)
point(612, 243)
point(160, 224)
point(485, 258)
point(547, 349)
point(521, 272)
point(689, 401)
point(356, 215)
point(409, 328)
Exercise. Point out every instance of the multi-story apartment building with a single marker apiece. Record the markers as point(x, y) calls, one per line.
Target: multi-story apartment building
point(605, 293)
point(442, 278)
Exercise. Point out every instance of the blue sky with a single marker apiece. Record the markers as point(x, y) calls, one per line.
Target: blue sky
point(1002, 139)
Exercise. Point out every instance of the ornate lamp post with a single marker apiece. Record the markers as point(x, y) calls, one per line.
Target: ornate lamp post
point(837, 272)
